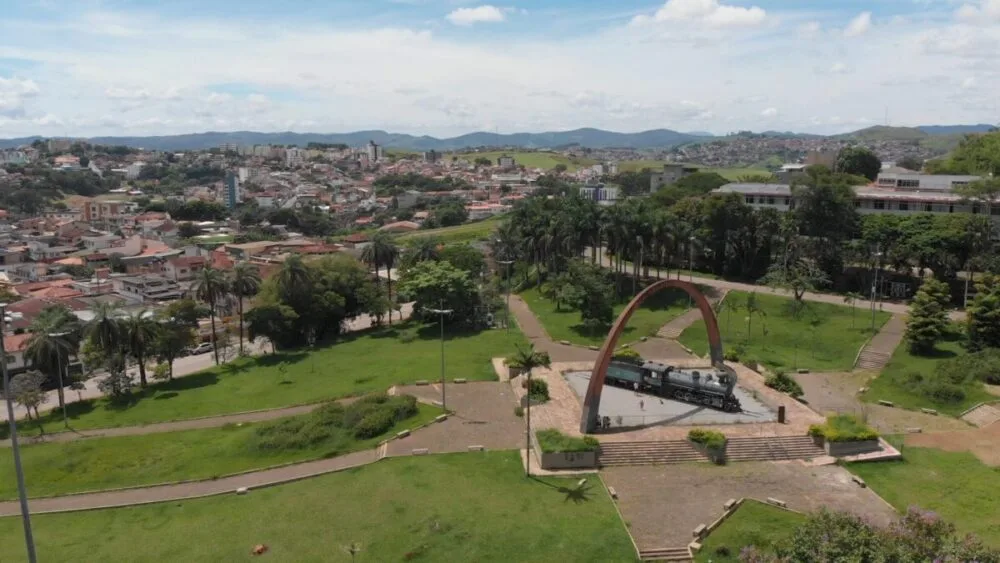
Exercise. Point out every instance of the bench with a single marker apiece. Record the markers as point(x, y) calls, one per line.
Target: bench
point(461, 380)
point(402, 433)
point(699, 531)
point(929, 411)
point(914, 430)
point(242, 491)
point(885, 403)
point(441, 418)
point(565, 342)
point(613, 493)
point(477, 449)
point(777, 502)
point(730, 504)
point(420, 451)
point(421, 382)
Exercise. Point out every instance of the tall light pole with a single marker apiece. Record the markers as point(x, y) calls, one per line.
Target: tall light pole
point(507, 312)
point(59, 366)
point(878, 266)
point(442, 312)
point(22, 493)
point(690, 266)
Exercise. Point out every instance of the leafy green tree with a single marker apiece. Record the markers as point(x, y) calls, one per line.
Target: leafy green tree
point(244, 283)
point(186, 312)
point(55, 336)
point(911, 163)
point(796, 274)
point(421, 249)
point(382, 251)
point(983, 320)
point(104, 331)
point(928, 318)
point(859, 161)
point(465, 257)
point(140, 337)
point(173, 338)
point(436, 285)
point(188, 229)
point(977, 154)
point(26, 389)
point(210, 287)
point(276, 322)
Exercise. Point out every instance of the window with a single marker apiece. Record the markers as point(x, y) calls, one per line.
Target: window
point(857, 203)
point(750, 199)
point(975, 210)
point(951, 209)
point(878, 204)
point(903, 206)
point(770, 200)
point(908, 183)
point(995, 211)
point(786, 200)
point(927, 207)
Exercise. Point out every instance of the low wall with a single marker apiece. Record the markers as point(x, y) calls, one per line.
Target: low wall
point(569, 460)
point(840, 449)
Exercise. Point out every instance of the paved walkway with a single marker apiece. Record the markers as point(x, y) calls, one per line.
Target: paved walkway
point(182, 367)
point(878, 351)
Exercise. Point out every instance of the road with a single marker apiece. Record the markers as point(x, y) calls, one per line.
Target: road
point(182, 367)
point(895, 308)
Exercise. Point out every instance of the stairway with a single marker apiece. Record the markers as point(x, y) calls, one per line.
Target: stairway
point(870, 359)
point(666, 554)
point(647, 453)
point(982, 415)
point(776, 448)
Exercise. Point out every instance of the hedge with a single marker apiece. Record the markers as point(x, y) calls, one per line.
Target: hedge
point(554, 441)
point(843, 428)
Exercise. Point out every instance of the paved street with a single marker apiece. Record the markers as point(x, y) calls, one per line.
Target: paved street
point(182, 367)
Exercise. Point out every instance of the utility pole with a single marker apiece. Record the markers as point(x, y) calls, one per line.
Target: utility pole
point(690, 267)
point(506, 319)
point(22, 493)
point(59, 366)
point(878, 266)
point(442, 312)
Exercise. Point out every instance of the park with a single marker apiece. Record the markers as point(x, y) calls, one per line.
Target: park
point(577, 403)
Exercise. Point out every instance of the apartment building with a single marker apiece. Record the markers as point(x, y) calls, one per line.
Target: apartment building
point(670, 174)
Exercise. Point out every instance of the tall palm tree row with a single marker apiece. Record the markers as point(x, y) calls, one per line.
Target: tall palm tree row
point(140, 330)
point(55, 336)
point(382, 251)
point(245, 282)
point(211, 286)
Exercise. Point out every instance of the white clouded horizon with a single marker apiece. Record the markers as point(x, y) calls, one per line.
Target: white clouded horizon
point(683, 64)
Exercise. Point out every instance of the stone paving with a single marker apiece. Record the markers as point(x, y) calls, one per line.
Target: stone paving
point(663, 504)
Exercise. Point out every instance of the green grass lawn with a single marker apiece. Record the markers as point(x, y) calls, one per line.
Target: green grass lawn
point(467, 232)
point(360, 362)
point(531, 159)
point(106, 463)
point(955, 485)
point(565, 324)
point(441, 508)
point(891, 384)
point(826, 337)
point(657, 166)
point(754, 523)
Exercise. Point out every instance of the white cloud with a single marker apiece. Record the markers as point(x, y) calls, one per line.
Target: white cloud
point(809, 30)
point(859, 25)
point(480, 14)
point(969, 82)
point(126, 94)
point(707, 12)
point(13, 93)
point(218, 98)
point(839, 68)
point(979, 12)
point(769, 112)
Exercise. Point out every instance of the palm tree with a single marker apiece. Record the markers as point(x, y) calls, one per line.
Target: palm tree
point(384, 252)
point(528, 359)
point(104, 331)
point(245, 282)
point(140, 337)
point(422, 249)
point(752, 308)
point(55, 335)
point(210, 287)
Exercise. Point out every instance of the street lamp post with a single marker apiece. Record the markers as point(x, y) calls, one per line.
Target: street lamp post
point(442, 312)
point(878, 266)
point(22, 493)
point(690, 266)
point(59, 367)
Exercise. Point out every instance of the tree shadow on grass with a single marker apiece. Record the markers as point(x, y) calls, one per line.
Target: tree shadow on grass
point(577, 494)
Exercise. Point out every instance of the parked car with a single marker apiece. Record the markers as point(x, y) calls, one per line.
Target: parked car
point(203, 348)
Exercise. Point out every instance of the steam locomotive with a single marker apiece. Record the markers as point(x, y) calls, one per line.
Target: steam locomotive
point(711, 388)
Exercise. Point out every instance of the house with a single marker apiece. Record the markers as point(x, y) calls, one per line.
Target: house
point(15, 346)
point(147, 287)
point(184, 268)
point(407, 199)
point(357, 240)
point(670, 174)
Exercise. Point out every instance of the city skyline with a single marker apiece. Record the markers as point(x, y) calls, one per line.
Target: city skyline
point(446, 67)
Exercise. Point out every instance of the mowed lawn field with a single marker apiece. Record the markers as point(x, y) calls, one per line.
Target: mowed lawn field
point(357, 363)
point(441, 508)
point(824, 337)
point(892, 384)
point(754, 523)
point(957, 486)
point(127, 461)
point(657, 165)
point(545, 160)
point(467, 232)
point(565, 324)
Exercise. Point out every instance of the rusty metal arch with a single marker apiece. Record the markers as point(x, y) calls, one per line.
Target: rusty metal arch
point(592, 400)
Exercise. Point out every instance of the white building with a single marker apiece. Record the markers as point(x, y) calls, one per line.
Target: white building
point(133, 170)
point(603, 195)
point(294, 157)
point(374, 152)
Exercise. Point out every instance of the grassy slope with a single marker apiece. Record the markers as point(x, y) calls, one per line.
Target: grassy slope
point(955, 485)
point(891, 384)
point(753, 523)
point(566, 325)
point(657, 165)
point(105, 463)
point(461, 507)
point(531, 159)
point(360, 362)
point(825, 337)
point(467, 232)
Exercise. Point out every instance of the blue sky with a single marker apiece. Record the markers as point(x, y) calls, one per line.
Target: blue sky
point(446, 67)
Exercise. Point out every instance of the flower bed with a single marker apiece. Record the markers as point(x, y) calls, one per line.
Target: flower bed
point(558, 451)
point(845, 434)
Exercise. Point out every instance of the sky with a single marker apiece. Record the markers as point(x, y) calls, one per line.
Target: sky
point(447, 67)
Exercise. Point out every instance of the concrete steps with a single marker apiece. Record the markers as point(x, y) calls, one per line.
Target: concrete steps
point(647, 453)
point(870, 359)
point(982, 415)
point(666, 554)
point(777, 448)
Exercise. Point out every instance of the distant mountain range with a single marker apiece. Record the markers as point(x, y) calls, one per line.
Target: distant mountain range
point(593, 138)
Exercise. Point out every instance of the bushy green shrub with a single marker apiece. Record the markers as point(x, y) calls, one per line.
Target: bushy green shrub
point(784, 383)
point(628, 355)
point(374, 423)
point(978, 366)
point(943, 392)
point(843, 428)
point(519, 411)
point(552, 441)
point(708, 438)
point(538, 391)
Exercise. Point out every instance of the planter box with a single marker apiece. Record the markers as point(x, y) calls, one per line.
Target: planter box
point(840, 449)
point(569, 460)
point(717, 457)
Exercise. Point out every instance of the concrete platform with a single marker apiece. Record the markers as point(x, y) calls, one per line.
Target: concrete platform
point(642, 409)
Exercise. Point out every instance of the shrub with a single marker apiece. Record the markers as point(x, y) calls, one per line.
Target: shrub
point(374, 423)
point(784, 383)
point(943, 392)
point(538, 390)
point(843, 428)
point(627, 355)
point(519, 411)
point(978, 366)
point(731, 356)
point(552, 441)
point(713, 441)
